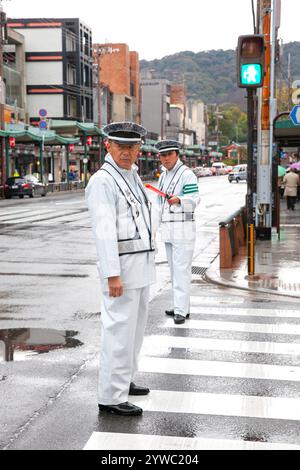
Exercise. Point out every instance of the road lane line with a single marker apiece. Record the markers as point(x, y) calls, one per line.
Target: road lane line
point(162, 343)
point(220, 405)
point(116, 441)
point(282, 329)
point(219, 369)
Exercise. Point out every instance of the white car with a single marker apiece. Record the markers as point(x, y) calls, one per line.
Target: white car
point(219, 169)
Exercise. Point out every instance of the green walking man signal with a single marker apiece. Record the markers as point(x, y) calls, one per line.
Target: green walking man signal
point(251, 61)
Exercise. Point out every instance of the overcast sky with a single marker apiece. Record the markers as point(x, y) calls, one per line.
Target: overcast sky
point(157, 28)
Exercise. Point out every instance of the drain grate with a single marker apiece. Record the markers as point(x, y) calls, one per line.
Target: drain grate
point(199, 271)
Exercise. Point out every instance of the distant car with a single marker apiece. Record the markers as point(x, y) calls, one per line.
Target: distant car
point(25, 186)
point(229, 169)
point(39, 189)
point(239, 174)
point(200, 172)
point(206, 172)
point(219, 169)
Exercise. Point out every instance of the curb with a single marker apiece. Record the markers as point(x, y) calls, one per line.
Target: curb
point(213, 275)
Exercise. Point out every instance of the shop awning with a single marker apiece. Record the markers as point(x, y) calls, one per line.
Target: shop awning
point(33, 134)
point(74, 128)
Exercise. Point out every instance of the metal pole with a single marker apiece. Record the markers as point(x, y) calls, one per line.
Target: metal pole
point(68, 164)
point(273, 101)
point(250, 202)
point(85, 158)
point(6, 140)
point(2, 100)
point(41, 159)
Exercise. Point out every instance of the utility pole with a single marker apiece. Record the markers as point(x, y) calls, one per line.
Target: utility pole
point(98, 83)
point(289, 74)
point(184, 112)
point(4, 169)
point(266, 114)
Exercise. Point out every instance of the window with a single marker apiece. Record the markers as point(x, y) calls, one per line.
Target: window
point(70, 42)
point(72, 107)
point(71, 74)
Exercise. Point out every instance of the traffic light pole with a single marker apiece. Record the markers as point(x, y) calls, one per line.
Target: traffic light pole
point(250, 203)
point(85, 168)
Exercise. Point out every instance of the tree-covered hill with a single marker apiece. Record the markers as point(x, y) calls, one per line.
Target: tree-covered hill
point(211, 75)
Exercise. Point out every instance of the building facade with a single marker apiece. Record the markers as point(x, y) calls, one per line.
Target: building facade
point(156, 99)
point(15, 109)
point(118, 83)
point(58, 67)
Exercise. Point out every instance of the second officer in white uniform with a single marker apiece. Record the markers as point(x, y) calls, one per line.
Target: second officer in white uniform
point(178, 228)
point(122, 224)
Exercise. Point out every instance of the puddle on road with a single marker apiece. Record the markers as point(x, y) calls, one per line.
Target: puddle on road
point(23, 344)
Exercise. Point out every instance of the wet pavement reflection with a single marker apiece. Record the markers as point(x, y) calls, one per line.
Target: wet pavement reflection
point(23, 344)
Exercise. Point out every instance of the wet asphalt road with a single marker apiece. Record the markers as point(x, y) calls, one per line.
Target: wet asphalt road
point(228, 378)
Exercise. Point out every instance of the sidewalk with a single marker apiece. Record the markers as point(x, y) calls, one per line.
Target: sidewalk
point(277, 268)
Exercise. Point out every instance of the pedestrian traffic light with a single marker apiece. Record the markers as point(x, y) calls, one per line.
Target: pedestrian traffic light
point(12, 142)
point(251, 61)
point(89, 141)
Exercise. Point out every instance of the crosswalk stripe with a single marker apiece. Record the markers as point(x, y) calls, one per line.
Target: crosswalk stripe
point(114, 441)
point(71, 218)
point(23, 211)
point(196, 301)
point(32, 213)
point(37, 217)
point(258, 312)
point(237, 327)
point(220, 405)
point(161, 343)
point(219, 369)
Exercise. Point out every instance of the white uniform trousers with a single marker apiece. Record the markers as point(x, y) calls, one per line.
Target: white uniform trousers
point(180, 258)
point(123, 326)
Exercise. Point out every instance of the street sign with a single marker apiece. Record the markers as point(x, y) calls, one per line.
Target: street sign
point(43, 112)
point(85, 161)
point(295, 115)
point(43, 125)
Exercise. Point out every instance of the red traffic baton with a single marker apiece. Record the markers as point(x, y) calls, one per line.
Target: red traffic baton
point(157, 191)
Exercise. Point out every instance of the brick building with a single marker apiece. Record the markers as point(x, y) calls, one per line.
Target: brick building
point(118, 70)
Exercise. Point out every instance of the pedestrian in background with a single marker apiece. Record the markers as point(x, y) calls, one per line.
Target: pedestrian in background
point(64, 176)
point(121, 215)
point(72, 175)
point(291, 182)
point(178, 228)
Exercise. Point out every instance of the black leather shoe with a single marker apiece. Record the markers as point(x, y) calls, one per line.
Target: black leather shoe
point(124, 409)
point(179, 320)
point(171, 313)
point(138, 391)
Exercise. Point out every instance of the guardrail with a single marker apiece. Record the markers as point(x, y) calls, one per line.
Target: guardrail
point(233, 235)
point(60, 187)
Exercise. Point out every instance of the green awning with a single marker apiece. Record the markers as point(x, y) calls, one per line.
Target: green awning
point(34, 134)
point(72, 127)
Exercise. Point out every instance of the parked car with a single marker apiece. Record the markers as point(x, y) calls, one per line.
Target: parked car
point(229, 169)
point(206, 172)
point(219, 169)
point(200, 172)
point(239, 174)
point(39, 189)
point(25, 186)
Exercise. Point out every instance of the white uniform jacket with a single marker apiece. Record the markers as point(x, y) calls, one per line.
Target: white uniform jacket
point(177, 222)
point(121, 215)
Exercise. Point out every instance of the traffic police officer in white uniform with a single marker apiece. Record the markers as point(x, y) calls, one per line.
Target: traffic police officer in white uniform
point(121, 215)
point(178, 226)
